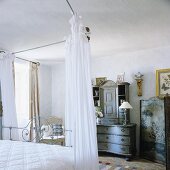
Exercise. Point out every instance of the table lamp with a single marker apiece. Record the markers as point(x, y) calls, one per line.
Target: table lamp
point(125, 105)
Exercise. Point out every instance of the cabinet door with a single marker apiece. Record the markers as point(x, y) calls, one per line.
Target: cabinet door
point(110, 103)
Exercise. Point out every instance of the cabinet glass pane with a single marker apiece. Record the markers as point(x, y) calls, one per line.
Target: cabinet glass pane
point(121, 90)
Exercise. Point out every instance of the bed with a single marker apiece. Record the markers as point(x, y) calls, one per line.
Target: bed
point(17, 155)
point(24, 155)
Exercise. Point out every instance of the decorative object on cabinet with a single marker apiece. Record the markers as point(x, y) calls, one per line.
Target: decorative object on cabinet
point(108, 102)
point(99, 114)
point(118, 139)
point(163, 82)
point(100, 80)
point(120, 78)
point(167, 130)
point(96, 95)
point(152, 130)
point(125, 106)
point(138, 78)
point(122, 95)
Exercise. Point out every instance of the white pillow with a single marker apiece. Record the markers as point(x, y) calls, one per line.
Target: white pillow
point(46, 130)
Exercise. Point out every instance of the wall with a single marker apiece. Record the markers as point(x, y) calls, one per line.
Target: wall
point(58, 90)
point(45, 89)
point(146, 61)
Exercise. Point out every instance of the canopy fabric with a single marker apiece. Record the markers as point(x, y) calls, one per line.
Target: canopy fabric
point(80, 114)
point(8, 95)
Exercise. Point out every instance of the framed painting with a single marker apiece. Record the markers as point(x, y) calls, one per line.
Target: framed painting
point(100, 80)
point(163, 82)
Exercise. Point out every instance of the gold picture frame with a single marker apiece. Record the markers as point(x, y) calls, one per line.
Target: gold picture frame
point(100, 80)
point(162, 82)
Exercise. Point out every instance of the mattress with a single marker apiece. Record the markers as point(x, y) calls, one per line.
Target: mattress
point(16, 155)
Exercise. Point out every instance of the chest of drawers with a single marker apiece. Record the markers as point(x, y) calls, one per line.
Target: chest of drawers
point(118, 139)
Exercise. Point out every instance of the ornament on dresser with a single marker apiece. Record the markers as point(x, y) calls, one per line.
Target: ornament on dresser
point(121, 77)
point(100, 80)
point(99, 114)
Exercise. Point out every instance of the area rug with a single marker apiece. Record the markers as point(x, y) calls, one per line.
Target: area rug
point(116, 163)
point(104, 166)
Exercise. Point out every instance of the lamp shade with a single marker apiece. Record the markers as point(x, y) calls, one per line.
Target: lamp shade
point(125, 105)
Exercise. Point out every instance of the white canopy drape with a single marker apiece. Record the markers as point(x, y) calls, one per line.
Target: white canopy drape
point(80, 116)
point(8, 95)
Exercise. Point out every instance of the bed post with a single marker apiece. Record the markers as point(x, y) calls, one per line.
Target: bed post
point(0, 115)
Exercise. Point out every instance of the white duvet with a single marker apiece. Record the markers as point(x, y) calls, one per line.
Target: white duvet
point(16, 155)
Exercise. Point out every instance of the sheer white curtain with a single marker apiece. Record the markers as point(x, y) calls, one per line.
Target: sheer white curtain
point(22, 93)
point(80, 116)
point(8, 95)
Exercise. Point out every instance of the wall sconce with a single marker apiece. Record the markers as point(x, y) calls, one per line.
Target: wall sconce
point(138, 78)
point(125, 106)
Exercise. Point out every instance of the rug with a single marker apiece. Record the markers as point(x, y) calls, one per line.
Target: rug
point(104, 166)
point(116, 163)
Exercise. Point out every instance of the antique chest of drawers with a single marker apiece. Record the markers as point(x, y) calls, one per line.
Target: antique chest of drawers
point(118, 139)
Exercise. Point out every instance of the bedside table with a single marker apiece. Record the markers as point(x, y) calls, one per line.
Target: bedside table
point(118, 139)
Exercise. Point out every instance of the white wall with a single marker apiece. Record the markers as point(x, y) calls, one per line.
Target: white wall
point(146, 62)
point(58, 90)
point(45, 85)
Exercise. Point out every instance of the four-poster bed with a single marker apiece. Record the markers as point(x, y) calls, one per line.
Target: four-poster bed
point(30, 155)
point(16, 155)
point(83, 154)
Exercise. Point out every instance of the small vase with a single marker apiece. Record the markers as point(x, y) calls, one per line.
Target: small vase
point(98, 120)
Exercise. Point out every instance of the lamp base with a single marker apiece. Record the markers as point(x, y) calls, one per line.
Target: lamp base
point(125, 121)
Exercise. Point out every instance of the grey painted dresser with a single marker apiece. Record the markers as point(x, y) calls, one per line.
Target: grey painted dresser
point(118, 139)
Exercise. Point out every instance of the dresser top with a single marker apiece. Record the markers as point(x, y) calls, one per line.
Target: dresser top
point(118, 125)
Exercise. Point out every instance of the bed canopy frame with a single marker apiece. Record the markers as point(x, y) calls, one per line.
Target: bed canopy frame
point(46, 45)
point(85, 157)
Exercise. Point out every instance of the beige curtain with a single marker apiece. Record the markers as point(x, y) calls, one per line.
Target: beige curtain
point(34, 102)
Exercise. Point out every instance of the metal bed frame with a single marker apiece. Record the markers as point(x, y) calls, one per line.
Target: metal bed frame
point(39, 132)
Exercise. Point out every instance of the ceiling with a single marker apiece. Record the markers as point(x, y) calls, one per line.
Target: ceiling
point(117, 26)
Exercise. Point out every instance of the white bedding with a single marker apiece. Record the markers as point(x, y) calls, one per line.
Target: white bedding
point(16, 155)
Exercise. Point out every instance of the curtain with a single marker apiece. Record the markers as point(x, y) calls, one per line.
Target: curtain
point(34, 105)
point(22, 94)
point(8, 95)
point(79, 110)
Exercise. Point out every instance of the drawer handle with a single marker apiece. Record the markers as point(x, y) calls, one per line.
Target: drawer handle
point(122, 140)
point(107, 137)
point(122, 130)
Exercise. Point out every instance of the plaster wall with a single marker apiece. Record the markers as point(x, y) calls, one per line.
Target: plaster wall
point(45, 90)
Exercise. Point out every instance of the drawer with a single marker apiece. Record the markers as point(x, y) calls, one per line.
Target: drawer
point(120, 149)
point(122, 140)
point(114, 130)
point(109, 121)
point(114, 148)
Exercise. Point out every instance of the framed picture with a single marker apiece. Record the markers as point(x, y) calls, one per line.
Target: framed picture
point(120, 77)
point(100, 80)
point(163, 82)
